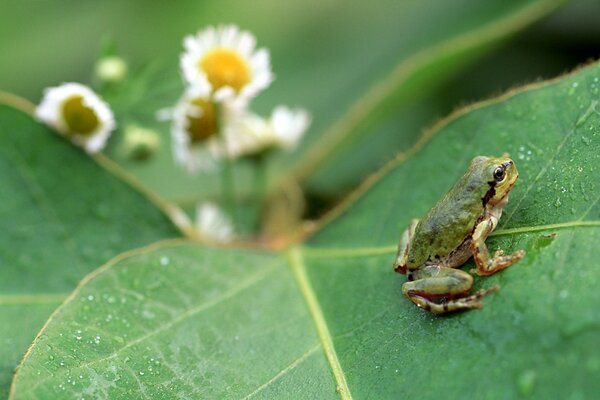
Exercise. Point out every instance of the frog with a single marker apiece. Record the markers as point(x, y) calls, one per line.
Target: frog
point(431, 249)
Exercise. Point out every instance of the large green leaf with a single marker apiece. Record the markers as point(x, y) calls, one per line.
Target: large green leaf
point(61, 216)
point(365, 78)
point(175, 321)
point(326, 318)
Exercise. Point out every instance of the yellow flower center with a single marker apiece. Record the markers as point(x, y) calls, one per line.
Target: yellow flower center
point(224, 67)
point(204, 125)
point(80, 119)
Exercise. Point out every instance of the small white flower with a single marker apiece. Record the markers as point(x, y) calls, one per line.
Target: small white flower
point(212, 223)
point(76, 112)
point(253, 134)
point(194, 131)
point(111, 69)
point(140, 143)
point(288, 126)
point(224, 61)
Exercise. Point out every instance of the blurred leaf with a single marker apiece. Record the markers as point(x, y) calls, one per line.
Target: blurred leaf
point(364, 75)
point(395, 97)
point(186, 321)
point(61, 215)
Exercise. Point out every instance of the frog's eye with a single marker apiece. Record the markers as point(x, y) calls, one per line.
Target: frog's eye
point(499, 174)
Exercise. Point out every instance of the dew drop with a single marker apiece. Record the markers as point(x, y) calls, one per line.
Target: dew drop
point(557, 203)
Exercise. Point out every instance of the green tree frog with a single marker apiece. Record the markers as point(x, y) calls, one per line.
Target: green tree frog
point(454, 230)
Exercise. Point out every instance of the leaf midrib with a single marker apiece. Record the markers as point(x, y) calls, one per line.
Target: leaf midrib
point(299, 270)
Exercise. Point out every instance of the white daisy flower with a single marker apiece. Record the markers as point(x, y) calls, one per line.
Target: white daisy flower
point(194, 131)
point(253, 134)
point(212, 223)
point(76, 112)
point(224, 61)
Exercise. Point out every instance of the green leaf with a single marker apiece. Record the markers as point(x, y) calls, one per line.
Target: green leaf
point(369, 80)
point(327, 319)
point(61, 216)
point(167, 320)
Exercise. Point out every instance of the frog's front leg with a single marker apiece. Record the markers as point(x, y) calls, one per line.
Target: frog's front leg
point(434, 282)
point(487, 265)
point(404, 247)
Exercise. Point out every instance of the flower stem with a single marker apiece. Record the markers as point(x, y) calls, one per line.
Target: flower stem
point(227, 189)
point(260, 177)
point(260, 184)
point(227, 178)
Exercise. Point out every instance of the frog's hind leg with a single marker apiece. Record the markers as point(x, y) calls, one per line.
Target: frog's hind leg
point(434, 282)
point(404, 247)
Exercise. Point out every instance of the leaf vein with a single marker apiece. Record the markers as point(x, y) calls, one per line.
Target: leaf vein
point(299, 271)
point(284, 371)
point(186, 315)
point(324, 252)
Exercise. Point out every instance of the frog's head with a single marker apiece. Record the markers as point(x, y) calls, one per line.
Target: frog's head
point(501, 174)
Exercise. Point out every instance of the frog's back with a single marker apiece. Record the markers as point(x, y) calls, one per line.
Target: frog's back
point(448, 223)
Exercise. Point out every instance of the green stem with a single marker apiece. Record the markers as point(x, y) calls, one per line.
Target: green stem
point(260, 185)
point(260, 177)
point(227, 178)
point(227, 189)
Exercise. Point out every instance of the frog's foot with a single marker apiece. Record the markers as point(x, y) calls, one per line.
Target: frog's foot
point(432, 283)
point(499, 262)
point(404, 247)
point(457, 304)
point(486, 264)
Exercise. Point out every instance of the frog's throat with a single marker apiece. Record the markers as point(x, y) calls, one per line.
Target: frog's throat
point(488, 199)
point(489, 195)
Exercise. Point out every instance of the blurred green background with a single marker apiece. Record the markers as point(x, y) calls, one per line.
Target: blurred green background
point(44, 43)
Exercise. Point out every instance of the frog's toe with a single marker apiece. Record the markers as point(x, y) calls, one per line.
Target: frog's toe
point(519, 254)
point(479, 294)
